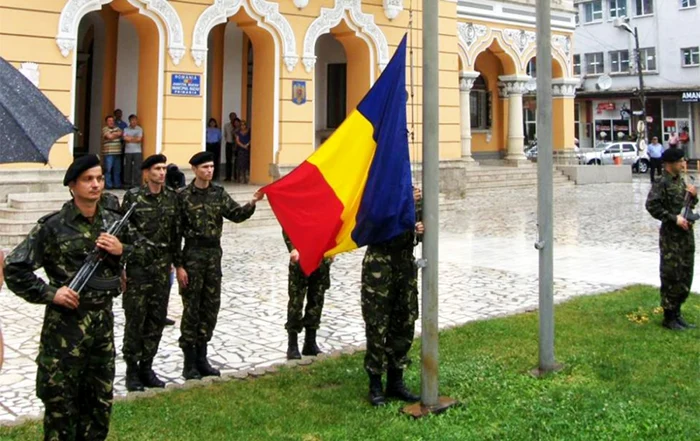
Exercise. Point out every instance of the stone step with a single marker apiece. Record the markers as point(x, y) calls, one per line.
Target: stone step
point(521, 183)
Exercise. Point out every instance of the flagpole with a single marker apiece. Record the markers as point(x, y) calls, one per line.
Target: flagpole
point(431, 402)
point(545, 184)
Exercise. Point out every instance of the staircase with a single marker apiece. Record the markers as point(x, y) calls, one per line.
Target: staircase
point(492, 177)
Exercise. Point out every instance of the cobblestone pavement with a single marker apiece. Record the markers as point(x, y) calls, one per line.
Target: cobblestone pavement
point(488, 267)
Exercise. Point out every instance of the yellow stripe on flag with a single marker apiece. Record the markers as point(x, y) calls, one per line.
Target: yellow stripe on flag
point(344, 161)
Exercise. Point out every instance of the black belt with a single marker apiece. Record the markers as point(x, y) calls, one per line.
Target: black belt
point(202, 243)
point(104, 283)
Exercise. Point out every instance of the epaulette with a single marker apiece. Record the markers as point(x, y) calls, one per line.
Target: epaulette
point(44, 218)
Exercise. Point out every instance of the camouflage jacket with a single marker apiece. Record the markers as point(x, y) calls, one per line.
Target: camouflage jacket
point(109, 201)
point(59, 243)
point(155, 218)
point(202, 212)
point(404, 241)
point(667, 199)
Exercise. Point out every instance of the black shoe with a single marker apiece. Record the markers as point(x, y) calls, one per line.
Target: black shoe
point(189, 371)
point(681, 321)
point(203, 365)
point(148, 377)
point(133, 383)
point(396, 388)
point(376, 395)
point(169, 322)
point(671, 321)
point(292, 346)
point(310, 346)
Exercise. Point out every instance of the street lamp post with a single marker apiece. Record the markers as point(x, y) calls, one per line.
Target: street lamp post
point(640, 74)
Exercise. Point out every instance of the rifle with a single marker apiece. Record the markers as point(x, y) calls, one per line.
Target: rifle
point(97, 255)
point(688, 212)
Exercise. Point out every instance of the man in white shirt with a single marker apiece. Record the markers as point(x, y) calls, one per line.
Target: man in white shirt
point(655, 150)
point(230, 130)
point(133, 138)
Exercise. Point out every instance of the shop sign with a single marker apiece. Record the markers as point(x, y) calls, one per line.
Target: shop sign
point(691, 97)
point(186, 84)
point(606, 106)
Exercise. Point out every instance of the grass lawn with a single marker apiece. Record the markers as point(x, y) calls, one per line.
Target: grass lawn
point(625, 378)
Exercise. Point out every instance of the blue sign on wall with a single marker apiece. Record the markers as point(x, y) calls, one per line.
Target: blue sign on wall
point(186, 84)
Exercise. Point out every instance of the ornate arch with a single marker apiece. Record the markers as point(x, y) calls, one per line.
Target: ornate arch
point(351, 11)
point(521, 44)
point(469, 36)
point(74, 10)
point(261, 10)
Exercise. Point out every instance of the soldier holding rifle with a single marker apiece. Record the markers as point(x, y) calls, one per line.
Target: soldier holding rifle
point(76, 354)
point(670, 201)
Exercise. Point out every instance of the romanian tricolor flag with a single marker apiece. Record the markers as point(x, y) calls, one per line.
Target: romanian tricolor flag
point(356, 189)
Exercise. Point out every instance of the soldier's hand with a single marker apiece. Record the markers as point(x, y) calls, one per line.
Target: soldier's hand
point(67, 298)
point(417, 194)
point(110, 244)
point(420, 228)
point(692, 189)
point(182, 277)
point(294, 256)
point(682, 222)
point(258, 196)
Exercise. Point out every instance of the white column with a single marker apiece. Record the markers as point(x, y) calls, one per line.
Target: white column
point(513, 87)
point(466, 81)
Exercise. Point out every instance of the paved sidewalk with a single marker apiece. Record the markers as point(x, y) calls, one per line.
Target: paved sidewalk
point(488, 267)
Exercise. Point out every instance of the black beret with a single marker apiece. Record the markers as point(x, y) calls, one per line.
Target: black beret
point(201, 157)
point(153, 160)
point(79, 166)
point(672, 155)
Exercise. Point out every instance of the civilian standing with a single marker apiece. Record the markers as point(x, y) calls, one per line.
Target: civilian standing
point(133, 138)
point(214, 144)
point(243, 155)
point(655, 150)
point(231, 129)
point(112, 153)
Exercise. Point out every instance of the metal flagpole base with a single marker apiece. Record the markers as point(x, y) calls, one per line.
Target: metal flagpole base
point(539, 373)
point(418, 410)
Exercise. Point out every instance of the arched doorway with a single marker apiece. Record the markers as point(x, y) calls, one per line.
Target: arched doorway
point(241, 72)
point(340, 56)
point(119, 64)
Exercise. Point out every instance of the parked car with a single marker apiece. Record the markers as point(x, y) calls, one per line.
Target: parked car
point(605, 153)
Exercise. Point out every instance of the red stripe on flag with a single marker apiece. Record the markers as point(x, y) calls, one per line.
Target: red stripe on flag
point(309, 211)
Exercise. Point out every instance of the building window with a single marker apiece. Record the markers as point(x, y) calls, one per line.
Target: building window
point(530, 119)
point(594, 63)
point(643, 7)
point(619, 62)
point(480, 105)
point(532, 68)
point(688, 3)
point(618, 8)
point(648, 59)
point(577, 64)
point(336, 95)
point(691, 56)
point(593, 11)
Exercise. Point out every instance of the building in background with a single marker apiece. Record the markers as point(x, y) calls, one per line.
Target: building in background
point(607, 103)
point(292, 68)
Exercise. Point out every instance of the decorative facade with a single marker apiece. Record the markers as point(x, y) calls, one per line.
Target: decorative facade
point(292, 68)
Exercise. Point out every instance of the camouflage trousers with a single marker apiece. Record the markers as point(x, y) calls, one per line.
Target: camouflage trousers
point(313, 288)
point(389, 308)
point(76, 373)
point(677, 263)
point(145, 305)
point(201, 299)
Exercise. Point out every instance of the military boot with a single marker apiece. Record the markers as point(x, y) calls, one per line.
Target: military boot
point(147, 376)
point(376, 394)
point(203, 365)
point(681, 320)
point(310, 346)
point(189, 371)
point(396, 388)
point(133, 384)
point(671, 321)
point(292, 346)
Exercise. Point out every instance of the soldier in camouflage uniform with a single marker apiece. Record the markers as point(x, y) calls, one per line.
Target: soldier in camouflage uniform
point(313, 289)
point(146, 298)
point(202, 207)
point(676, 238)
point(76, 354)
point(390, 309)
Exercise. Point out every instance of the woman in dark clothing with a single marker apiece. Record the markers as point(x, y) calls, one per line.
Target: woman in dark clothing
point(243, 155)
point(214, 144)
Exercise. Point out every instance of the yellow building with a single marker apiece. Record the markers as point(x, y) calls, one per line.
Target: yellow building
point(292, 68)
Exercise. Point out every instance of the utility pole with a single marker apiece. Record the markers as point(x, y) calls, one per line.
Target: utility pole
point(640, 74)
point(545, 184)
point(431, 402)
